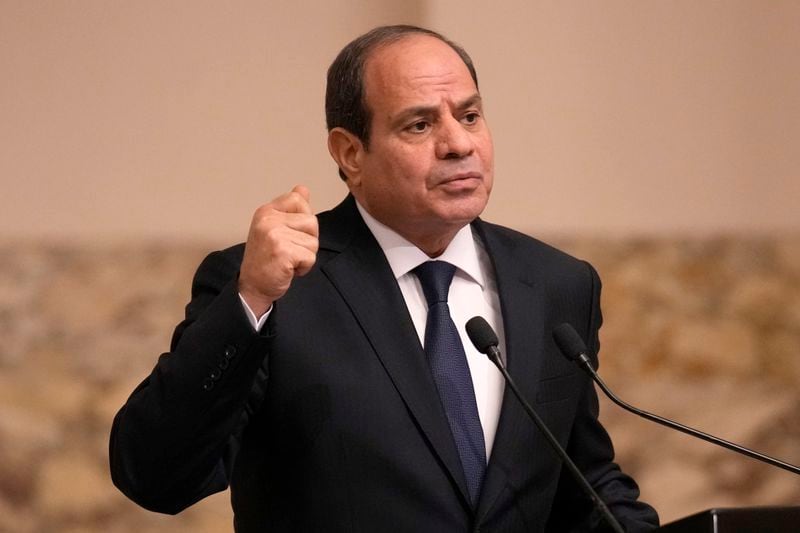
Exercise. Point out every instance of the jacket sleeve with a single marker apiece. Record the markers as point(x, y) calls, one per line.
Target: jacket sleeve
point(174, 440)
point(592, 451)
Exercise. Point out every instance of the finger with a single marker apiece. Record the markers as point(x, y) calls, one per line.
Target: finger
point(272, 222)
point(295, 201)
point(304, 240)
point(304, 261)
point(294, 258)
point(301, 249)
point(283, 243)
point(302, 222)
point(303, 191)
point(267, 219)
point(290, 202)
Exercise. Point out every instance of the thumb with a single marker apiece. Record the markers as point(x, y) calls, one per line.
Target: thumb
point(303, 191)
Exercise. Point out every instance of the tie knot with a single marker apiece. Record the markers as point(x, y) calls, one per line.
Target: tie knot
point(435, 278)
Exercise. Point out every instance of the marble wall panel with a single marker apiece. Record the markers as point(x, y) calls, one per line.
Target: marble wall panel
point(703, 331)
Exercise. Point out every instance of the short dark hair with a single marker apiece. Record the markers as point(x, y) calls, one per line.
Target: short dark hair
point(345, 95)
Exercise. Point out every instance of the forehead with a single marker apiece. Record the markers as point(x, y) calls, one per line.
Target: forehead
point(413, 67)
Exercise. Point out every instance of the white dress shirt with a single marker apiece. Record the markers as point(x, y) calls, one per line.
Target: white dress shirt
point(473, 292)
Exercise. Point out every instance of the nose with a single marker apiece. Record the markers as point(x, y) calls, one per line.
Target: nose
point(454, 141)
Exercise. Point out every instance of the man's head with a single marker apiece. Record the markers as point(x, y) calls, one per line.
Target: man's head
point(423, 161)
point(345, 105)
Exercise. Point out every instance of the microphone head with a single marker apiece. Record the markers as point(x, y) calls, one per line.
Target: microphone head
point(481, 334)
point(569, 342)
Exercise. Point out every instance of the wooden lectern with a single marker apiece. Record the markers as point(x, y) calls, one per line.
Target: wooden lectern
point(738, 520)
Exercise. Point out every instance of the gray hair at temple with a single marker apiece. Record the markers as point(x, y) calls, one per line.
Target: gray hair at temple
point(345, 101)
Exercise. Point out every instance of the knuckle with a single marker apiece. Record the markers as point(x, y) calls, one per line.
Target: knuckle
point(280, 248)
point(263, 211)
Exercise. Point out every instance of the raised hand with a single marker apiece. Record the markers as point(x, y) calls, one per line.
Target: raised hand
point(282, 243)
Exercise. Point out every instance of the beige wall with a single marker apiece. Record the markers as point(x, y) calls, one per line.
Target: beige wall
point(628, 116)
point(166, 119)
point(153, 120)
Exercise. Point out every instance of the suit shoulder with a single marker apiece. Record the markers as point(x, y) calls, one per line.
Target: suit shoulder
point(219, 266)
point(230, 257)
point(528, 249)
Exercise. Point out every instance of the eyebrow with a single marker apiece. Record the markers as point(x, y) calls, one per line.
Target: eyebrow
point(424, 110)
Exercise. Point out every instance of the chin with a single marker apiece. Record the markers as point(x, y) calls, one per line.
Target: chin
point(466, 211)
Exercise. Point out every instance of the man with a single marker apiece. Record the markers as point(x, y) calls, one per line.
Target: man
point(309, 375)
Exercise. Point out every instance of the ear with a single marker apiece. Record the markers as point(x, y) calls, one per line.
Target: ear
point(346, 149)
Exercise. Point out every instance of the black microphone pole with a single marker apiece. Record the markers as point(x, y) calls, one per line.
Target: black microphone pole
point(485, 340)
point(573, 348)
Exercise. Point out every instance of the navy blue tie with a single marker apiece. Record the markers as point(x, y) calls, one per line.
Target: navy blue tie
point(451, 374)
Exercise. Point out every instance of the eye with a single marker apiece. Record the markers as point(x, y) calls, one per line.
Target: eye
point(471, 118)
point(421, 126)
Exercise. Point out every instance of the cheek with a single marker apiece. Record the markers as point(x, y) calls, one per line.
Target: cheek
point(408, 161)
point(407, 176)
point(488, 182)
point(400, 169)
point(487, 153)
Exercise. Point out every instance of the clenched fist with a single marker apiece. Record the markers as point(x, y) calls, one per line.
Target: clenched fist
point(282, 243)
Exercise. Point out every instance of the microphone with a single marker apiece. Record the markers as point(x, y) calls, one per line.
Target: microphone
point(485, 340)
point(573, 348)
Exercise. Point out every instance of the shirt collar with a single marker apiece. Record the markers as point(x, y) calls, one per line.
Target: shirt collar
point(403, 256)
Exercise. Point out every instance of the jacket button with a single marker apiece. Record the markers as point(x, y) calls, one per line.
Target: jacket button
point(223, 363)
point(208, 384)
point(230, 352)
point(215, 374)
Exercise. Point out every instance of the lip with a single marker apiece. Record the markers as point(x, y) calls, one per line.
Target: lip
point(461, 177)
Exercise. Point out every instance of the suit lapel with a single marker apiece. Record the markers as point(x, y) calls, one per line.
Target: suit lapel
point(365, 281)
point(521, 300)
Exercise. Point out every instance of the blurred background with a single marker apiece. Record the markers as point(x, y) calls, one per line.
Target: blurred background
point(658, 140)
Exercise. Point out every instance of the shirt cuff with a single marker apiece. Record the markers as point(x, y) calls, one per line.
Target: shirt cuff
point(256, 322)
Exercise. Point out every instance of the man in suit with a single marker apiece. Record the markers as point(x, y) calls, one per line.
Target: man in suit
point(309, 375)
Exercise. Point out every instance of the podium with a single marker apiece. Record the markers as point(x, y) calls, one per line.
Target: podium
point(738, 520)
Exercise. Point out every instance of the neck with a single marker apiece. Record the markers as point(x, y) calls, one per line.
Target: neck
point(432, 241)
point(433, 245)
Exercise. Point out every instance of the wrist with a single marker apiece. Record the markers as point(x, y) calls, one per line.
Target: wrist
point(257, 302)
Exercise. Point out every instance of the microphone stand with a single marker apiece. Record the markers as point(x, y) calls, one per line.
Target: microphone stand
point(586, 364)
point(494, 355)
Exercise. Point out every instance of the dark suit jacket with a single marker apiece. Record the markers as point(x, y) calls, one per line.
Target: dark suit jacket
point(330, 420)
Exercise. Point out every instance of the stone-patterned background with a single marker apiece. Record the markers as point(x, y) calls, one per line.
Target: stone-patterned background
point(703, 331)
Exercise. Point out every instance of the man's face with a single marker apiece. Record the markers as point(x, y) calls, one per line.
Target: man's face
point(429, 166)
